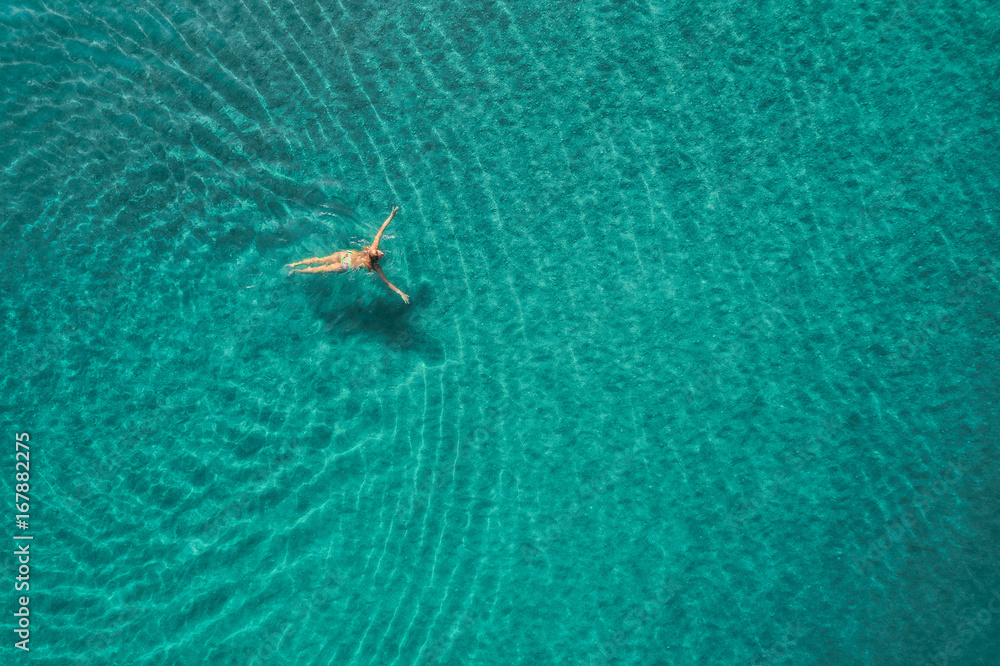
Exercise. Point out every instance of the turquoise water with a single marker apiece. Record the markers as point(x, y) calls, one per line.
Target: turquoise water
point(700, 365)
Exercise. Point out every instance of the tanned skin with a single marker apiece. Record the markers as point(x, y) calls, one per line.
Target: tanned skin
point(365, 258)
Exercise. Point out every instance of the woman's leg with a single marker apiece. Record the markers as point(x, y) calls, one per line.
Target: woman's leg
point(326, 268)
point(331, 259)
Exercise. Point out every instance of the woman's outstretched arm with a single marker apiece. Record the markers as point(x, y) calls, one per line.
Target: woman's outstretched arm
point(378, 269)
point(378, 236)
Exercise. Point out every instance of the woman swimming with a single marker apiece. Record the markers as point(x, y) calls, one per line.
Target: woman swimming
point(345, 260)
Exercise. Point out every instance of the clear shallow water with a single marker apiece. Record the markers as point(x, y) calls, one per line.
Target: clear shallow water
point(700, 365)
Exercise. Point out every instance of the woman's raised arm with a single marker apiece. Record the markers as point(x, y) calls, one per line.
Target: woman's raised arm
point(378, 236)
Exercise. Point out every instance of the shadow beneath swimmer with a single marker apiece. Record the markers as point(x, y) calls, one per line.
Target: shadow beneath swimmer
point(382, 317)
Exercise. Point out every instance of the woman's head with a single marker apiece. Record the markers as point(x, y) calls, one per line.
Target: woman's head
point(376, 254)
